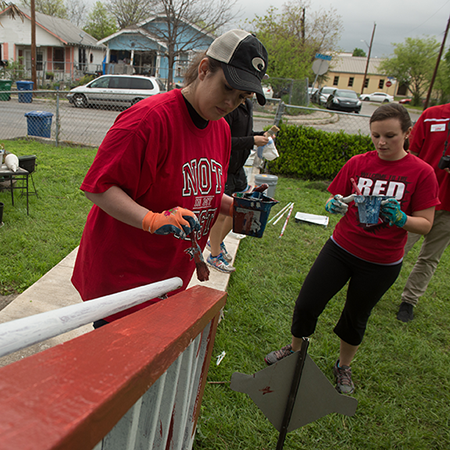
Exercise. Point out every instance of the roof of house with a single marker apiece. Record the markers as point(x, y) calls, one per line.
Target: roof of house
point(133, 29)
point(355, 64)
point(63, 29)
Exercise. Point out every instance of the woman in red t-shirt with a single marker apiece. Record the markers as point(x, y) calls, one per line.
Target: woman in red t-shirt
point(368, 257)
point(160, 172)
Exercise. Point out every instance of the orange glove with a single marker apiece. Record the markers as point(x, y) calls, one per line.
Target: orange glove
point(178, 221)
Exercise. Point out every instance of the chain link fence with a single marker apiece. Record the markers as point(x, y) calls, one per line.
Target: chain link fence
point(50, 115)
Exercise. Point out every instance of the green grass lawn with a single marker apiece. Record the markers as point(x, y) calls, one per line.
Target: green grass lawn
point(401, 372)
point(32, 244)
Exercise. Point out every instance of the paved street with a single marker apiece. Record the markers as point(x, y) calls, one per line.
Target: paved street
point(88, 126)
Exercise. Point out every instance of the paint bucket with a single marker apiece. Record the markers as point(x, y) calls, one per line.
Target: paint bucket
point(250, 213)
point(369, 207)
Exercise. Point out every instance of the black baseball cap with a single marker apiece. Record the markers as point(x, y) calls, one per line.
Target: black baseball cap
point(244, 61)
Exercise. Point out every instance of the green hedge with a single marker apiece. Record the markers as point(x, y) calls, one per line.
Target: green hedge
point(312, 154)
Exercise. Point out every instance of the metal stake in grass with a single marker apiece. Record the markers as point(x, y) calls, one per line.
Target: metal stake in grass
point(293, 392)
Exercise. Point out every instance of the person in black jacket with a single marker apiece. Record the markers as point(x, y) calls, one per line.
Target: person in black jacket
point(243, 138)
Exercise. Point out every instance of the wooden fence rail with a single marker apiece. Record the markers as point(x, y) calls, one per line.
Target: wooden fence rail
point(135, 383)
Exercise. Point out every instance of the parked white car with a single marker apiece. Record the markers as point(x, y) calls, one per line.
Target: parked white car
point(120, 90)
point(380, 97)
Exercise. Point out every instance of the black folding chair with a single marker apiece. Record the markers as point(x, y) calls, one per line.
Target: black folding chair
point(29, 164)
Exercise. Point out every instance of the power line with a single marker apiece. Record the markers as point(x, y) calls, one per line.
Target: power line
point(414, 29)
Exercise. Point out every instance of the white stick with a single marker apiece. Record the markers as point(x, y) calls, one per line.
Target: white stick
point(287, 220)
point(281, 213)
point(279, 218)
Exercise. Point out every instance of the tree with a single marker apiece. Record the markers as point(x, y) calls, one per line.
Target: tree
point(101, 23)
point(413, 64)
point(184, 24)
point(358, 52)
point(76, 12)
point(293, 37)
point(442, 82)
point(130, 12)
point(54, 8)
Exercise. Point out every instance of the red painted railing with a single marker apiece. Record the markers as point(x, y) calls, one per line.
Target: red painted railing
point(71, 396)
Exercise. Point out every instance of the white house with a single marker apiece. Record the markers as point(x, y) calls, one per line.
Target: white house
point(63, 51)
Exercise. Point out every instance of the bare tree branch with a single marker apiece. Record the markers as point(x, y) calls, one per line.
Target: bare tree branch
point(13, 10)
point(130, 12)
point(187, 22)
point(77, 11)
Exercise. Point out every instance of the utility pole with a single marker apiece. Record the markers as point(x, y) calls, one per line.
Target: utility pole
point(368, 58)
point(33, 44)
point(425, 105)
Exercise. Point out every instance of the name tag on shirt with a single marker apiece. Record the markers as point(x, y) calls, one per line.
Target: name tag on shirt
point(438, 127)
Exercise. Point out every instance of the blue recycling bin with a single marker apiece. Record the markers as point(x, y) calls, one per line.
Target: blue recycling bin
point(25, 86)
point(39, 123)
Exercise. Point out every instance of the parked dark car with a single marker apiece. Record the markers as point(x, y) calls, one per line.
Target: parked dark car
point(344, 100)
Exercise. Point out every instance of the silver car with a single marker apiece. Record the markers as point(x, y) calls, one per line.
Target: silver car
point(117, 90)
point(322, 94)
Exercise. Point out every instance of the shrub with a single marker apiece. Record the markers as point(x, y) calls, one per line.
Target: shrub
point(312, 154)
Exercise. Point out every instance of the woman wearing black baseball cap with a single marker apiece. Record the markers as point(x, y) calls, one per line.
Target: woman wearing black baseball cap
point(160, 173)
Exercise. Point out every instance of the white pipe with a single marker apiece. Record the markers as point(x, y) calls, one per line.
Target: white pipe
point(21, 333)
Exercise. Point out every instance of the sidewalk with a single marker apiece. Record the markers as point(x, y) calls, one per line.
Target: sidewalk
point(54, 290)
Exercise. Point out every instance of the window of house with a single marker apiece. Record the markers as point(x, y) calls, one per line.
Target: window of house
point(335, 81)
point(366, 83)
point(381, 84)
point(91, 58)
point(58, 58)
point(350, 81)
point(39, 59)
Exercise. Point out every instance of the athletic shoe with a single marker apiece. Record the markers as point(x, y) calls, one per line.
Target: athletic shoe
point(405, 312)
point(219, 263)
point(278, 355)
point(344, 383)
point(225, 253)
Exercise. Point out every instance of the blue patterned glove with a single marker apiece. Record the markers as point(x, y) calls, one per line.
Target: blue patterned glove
point(336, 206)
point(390, 209)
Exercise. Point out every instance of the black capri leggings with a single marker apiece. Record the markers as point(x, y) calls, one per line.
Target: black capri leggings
point(328, 275)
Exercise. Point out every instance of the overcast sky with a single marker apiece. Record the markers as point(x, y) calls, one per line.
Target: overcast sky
point(395, 20)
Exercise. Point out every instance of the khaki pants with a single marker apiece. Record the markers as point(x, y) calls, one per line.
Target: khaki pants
point(433, 246)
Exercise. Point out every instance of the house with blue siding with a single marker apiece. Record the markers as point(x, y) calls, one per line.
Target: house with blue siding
point(145, 48)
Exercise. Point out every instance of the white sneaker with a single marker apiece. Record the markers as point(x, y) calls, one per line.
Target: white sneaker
point(219, 263)
point(225, 253)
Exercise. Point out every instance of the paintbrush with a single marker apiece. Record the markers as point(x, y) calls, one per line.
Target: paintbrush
point(195, 252)
point(355, 186)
